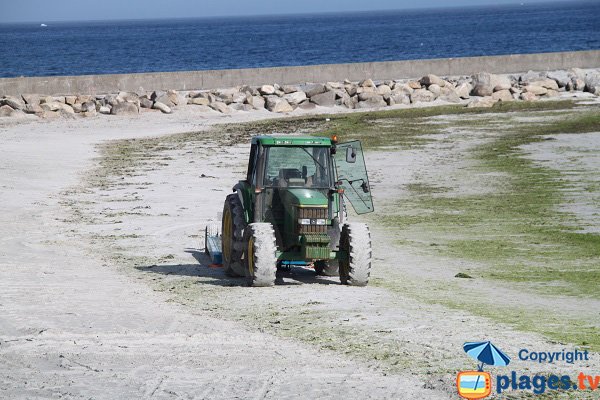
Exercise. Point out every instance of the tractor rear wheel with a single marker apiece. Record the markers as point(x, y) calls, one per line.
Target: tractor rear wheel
point(355, 241)
point(232, 235)
point(260, 256)
point(327, 268)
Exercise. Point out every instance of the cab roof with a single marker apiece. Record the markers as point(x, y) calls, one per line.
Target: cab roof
point(291, 141)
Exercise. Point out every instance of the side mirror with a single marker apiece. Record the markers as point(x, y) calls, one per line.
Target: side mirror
point(350, 155)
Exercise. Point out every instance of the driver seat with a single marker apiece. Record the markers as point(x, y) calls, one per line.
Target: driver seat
point(289, 175)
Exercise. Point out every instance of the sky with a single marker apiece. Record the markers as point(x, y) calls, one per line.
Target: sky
point(63, 10)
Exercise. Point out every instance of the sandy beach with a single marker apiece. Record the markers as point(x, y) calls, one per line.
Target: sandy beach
point(105, 291)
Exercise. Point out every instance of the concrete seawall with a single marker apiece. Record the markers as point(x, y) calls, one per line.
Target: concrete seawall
point(98, 84)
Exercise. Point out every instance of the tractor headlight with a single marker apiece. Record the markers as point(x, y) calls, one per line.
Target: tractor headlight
point(304, 221)
point(320, 222)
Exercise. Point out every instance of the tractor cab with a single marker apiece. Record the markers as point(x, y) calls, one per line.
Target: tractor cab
point(319, 165)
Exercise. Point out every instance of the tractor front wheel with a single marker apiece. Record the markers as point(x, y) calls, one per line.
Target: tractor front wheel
point(355, 241)
point(260, 256)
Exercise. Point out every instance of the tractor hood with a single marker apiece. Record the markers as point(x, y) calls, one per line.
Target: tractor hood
point(306, 198)
point(306, 213)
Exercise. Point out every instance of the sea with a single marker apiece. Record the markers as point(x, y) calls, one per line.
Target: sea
point(109, 47)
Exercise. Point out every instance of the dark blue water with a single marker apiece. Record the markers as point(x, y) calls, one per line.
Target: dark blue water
point(194, 44)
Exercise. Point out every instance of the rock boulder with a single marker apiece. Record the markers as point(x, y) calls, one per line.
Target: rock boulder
point(12, 102)
point(530, 76)
point(449, 94)
point(578, 84)
point(31, 98)
point(484, 84)
point(6, 111)
point(384, 90)
point(33, 109)
point(313, 89)
point(463, 90)
point(267, 90)
point(367, 83)
point(561, 78)
point(326, 99)
point(165, 109)
point(90, 113)
point(373, 102)
point(199, 101)
point(503, 95)
point(257, 102)
point(592, 83)
point(295, 98)
point(351, 89)
point(435, 89)
point(241, 107)
point(57, 106)
point(176, 98)
point(399, 98)
point(402, 88)
point(88, 106)
point(364, 96)
point(351, 102)
point(432, 80)
point(340, 95)
point(225, 95)
point(535, 89)
point(240, 98)
point(334, 85)
point(421, 96)
point(125, 108)
point(127, 97)
point(287, 89)
point(164, 99)
point(545, 83)
point(145, 102)
point(70, 100)
point(278, 105)
point(82, 98)
point(157, 94)
point(528, 96)
point(105, 110)
point(220, 107)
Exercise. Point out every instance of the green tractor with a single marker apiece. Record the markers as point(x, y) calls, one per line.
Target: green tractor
point(290, 211)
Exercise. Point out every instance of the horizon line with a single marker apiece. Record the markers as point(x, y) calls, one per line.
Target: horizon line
point(522, 3)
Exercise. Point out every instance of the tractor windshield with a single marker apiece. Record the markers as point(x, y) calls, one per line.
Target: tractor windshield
point(307, 167)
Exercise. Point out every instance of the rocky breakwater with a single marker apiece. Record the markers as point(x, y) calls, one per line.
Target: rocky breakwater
point(480, 90)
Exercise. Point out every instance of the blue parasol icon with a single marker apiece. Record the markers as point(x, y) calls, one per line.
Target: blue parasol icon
point(486, 353)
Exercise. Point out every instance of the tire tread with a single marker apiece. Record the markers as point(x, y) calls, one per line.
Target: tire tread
point(357, 269)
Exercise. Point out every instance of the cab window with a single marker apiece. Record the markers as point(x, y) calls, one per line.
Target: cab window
point(307, 167)
point(251, 163)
